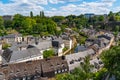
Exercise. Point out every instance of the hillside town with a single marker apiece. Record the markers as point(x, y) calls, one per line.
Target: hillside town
point(24, 60)
point(59, 40)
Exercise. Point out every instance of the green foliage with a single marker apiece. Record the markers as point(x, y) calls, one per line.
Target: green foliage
point(117, 18)
point(31, 14)
point(111, 16)
point(3, 32)
point(82, 38)
point(57, 18)
point(1, 23)
point(64, 49)
point(101, 18)
point(5, 46)
point(17, 21)
point(8, 23)
point(34, 25)
point(100, 74)
point(42, 14)
point(48, 53)
point(65, 76)
point(27, 24)
point(117, 28)
point(111, 60)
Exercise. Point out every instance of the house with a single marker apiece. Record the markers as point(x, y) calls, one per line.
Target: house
point(29, 39)
point(53, 66)
point(67, 41)
point(34, 70)
point(19, 46)
point(7, 17)
point(80, 48)
point(97, 64)
point(74, 60)
point(58, 45)
point(89, 42)
point(11, 38)
point(21, 55)
point(68, 30)
point(89, 15)
point(42, 45)
point(30, 70)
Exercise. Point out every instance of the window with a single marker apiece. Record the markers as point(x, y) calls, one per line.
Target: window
point(71, 62)
point(59, 71)
point(55, 72)
point(79, 59)
point(11, 72)
point(18, 71)
point(65, 69)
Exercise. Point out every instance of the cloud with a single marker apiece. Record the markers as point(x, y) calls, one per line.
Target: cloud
point(22, 7)
point(116, 9)
point(98, 7)
point(62, 1)
point(25, 6)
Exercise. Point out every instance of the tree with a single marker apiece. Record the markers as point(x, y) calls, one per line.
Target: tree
point(8, 23)
point(5, 46)
point(65, 76)
point(42, 14)
point(117, 28)
point(58, 19)
point(111, 16)
point(17, 21)
point(1, 23)
point(100, 74)
point(31, 14)
point(101, 18)
point(117, 18)
point(2, 28)
point(111, 60)
point(27, 25)
point(110, 13)
point(48, 53)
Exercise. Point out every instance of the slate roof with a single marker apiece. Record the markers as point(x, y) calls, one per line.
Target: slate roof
point(13, 56)
point(22, 69)
point(15, 46)
point(25, 54)
point(13, 35)
point(80, 48)
point(107, 36)
point(74, 60)
point(33, 68)
point(7, 54)
point(50, 63)
point(53, 64)
point(42, 45)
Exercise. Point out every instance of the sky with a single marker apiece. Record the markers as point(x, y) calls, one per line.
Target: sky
point(58, 7)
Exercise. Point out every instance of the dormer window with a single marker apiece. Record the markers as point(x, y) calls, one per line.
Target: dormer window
point(58, 64)
point(17, 71)
point(25, 70)
point(72, 62)
point(11, 72)
point(51, 65)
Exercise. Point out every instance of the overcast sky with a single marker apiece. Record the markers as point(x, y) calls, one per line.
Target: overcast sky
point(58, 7)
